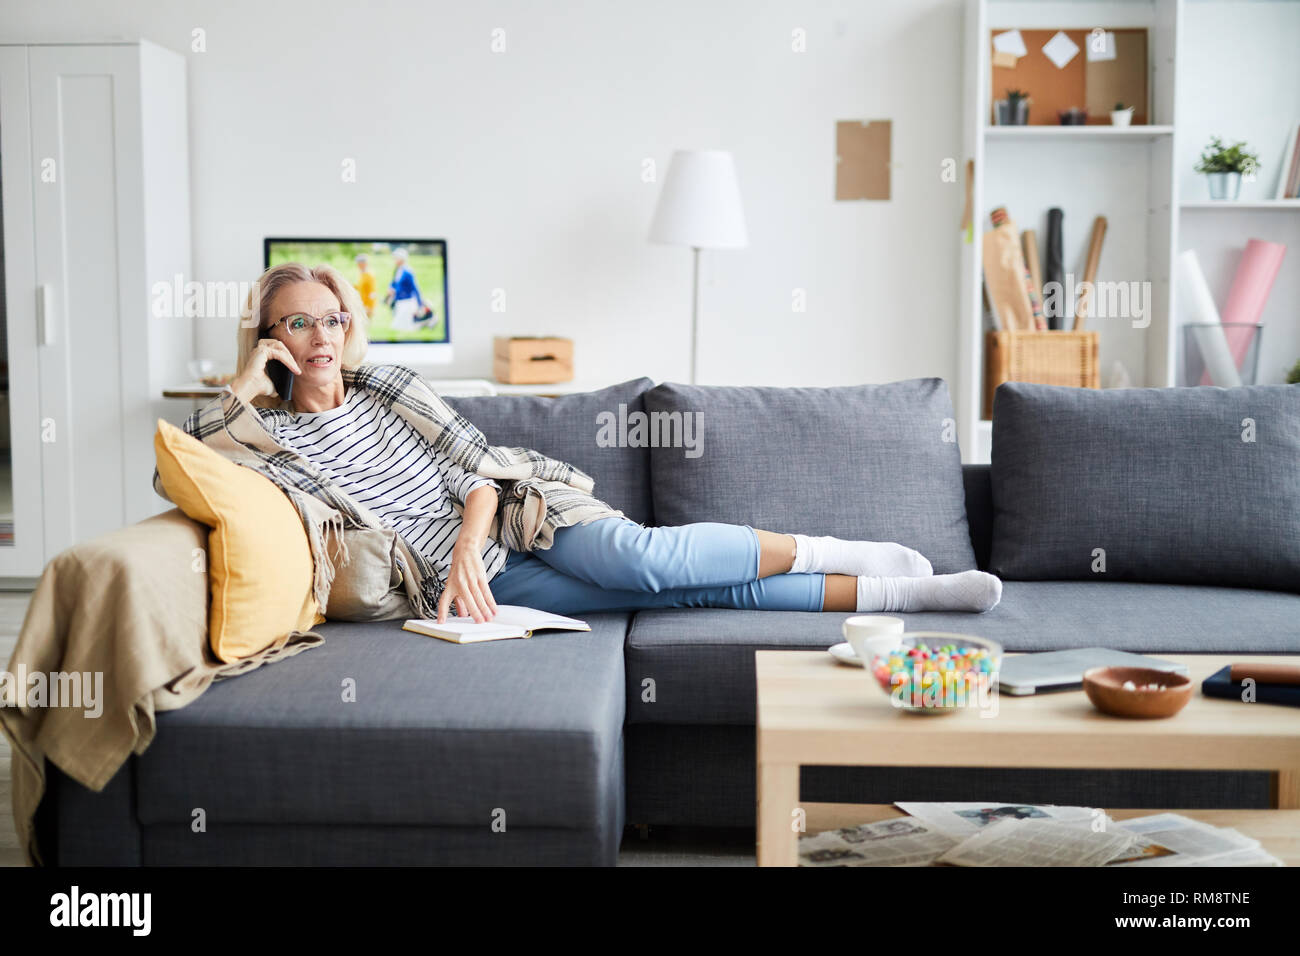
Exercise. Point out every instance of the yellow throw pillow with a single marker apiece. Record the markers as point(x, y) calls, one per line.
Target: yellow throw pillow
point(259, 559)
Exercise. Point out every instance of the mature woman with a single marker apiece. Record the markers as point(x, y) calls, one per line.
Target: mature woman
point(312, 321)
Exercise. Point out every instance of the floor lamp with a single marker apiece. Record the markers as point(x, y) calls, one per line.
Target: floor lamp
point(699, 207)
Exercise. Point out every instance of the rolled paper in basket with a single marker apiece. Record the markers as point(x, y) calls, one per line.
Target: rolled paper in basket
point(1259, 266)
point(1200, 309)
point(1055, 268)
point(1266, 673)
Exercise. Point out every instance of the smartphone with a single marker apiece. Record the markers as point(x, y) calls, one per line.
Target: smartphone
point(280, 376)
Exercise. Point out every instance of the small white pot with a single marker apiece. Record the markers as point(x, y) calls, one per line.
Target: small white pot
point(1121, 117)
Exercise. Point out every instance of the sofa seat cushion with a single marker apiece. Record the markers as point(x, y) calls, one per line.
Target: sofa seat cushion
point(701, 660)
point(439, 734)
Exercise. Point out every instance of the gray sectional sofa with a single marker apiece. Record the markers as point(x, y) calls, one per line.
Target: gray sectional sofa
point(541, 751)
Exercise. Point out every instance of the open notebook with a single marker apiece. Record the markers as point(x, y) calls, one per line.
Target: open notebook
point(509, 621)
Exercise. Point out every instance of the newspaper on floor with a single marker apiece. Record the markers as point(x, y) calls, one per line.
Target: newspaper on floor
point(1256, 857)
point(1037, 842)
point(1170, 839)
point(966, 819)
point(900, 842)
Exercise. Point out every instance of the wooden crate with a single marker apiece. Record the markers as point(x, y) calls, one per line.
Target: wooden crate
point(520, 360)
point(1044, 358)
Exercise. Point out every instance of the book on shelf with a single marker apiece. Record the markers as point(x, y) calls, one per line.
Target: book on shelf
point(510, 621)
point(1288, 177)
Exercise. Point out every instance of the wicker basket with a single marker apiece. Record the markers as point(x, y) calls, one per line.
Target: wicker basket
point(1045, 358)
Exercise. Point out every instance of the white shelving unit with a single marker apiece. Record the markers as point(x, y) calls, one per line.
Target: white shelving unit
point(1217, 67)
point(96, 210)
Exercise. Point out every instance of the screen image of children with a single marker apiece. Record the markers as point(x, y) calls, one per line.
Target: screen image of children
point(993, 814)
point(404, 295)
point(366, 283)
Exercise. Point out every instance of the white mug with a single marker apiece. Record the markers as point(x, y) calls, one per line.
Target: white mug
point(872, 634)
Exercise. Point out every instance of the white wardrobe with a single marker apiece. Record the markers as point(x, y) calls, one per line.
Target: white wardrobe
point(94, 195)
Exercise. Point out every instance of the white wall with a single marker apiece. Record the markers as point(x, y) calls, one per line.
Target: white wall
point(1251, 94)
point(529, 163)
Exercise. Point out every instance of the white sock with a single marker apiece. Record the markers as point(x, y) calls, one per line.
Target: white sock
point(967, 591)
point(827, 555)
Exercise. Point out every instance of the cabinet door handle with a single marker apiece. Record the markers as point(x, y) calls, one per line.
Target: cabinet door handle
point(44, 315)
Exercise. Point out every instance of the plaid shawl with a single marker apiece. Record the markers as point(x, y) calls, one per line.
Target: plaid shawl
point(538, 494)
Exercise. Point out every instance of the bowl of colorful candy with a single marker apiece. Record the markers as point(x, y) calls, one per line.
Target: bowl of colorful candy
point(935, 672)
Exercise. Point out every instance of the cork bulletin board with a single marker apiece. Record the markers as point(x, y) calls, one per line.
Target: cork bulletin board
point(862, 159)
point(1094, 85)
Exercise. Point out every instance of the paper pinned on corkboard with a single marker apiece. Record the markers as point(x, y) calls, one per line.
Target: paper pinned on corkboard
point(862, 159)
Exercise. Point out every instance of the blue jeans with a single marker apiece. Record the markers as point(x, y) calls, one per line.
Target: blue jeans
point(615, 564)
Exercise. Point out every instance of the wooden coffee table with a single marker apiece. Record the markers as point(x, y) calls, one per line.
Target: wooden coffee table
point(815, 711)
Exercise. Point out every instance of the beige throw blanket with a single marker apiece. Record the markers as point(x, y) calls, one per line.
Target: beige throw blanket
point(126, 613)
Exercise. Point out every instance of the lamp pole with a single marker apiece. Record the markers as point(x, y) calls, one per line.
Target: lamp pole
point(695, 310)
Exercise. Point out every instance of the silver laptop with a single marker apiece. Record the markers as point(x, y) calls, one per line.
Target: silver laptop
point(1063, 670)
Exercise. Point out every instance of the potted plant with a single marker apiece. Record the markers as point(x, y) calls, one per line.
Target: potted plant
point(1014, 110)
point(1121, 115)
point(1293, 376)
point(1223, 167)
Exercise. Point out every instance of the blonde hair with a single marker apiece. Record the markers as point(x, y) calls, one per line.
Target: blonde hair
point(260, 296)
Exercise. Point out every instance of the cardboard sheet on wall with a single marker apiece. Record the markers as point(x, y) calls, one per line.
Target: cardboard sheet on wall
point(862, 159)
point(1122, 79)
point(1094, 85)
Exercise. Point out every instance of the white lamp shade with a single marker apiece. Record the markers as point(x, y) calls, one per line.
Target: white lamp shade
point(700, 202)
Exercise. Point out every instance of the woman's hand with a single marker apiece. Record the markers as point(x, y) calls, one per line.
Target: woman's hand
point(467, 582)
point(252, 379)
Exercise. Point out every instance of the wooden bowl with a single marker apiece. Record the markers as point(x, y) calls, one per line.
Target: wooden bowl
point(1105, 688)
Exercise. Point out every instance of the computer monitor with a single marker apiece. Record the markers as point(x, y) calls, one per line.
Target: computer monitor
point(409, 318)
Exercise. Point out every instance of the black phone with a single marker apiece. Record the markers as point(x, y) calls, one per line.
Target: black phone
point(280, 376)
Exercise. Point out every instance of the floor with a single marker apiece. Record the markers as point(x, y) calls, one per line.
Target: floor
point(685, 846)
point(658, 847)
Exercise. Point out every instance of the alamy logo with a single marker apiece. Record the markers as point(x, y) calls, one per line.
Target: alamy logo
point(653, 430)
point(84, 689)
point(102, 909)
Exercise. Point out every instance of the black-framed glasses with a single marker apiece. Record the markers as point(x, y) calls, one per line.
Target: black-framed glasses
point(300, 322)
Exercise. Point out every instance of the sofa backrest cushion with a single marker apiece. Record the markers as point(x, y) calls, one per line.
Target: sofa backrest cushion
point(1193, 485)
point(581, 429)
point(861, 462)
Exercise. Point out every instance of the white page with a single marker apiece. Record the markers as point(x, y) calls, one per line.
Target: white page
point(509, 618)
point(466, 626)
point(530, 618)
point(1175, 840)
point(1038, 843)
point(900, 842)
point(1100, 45)
point(1060, 49)
point(1010, 42)
point(964, 819)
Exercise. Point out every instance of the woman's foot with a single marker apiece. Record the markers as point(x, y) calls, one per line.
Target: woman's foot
point(827, 555)
point(967, 591)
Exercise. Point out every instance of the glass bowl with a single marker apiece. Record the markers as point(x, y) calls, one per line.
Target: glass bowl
point(904, 673)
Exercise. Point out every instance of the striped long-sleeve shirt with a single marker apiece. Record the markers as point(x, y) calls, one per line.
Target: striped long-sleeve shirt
point(379, 459)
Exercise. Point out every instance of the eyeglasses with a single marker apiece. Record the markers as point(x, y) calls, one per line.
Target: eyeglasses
point(300, 322)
